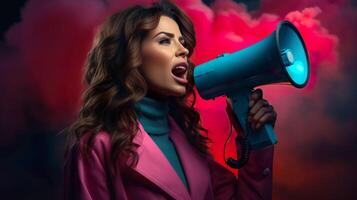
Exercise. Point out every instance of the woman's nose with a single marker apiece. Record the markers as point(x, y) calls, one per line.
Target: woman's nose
point(182, 51)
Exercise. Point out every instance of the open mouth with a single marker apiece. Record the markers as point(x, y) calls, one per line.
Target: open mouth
point(179, 73)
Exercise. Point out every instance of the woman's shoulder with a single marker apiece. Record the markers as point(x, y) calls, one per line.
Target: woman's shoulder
point(101, 138)
point(100, 141)
point(90, 144)
point(93, 161)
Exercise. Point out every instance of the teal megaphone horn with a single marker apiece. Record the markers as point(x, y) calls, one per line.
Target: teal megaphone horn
point(280, 57)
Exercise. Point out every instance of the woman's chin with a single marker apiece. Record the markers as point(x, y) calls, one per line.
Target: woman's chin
point(179, 91)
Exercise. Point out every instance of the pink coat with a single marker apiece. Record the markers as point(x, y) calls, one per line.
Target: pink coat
point(154, 178)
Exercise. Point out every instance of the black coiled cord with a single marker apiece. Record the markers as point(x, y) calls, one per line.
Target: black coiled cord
point(244, 152)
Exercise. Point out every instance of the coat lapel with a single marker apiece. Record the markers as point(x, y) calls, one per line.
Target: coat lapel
point(153, 165)
point(195, 166)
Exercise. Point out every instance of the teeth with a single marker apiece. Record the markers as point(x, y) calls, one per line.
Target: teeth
point(180, 67)
point(179, 70)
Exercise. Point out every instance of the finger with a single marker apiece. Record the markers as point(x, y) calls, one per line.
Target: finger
point(261, 112)
point(254, 109)
point(271, 118)
point(254, 120)
point(267, 117)
point(256, 94)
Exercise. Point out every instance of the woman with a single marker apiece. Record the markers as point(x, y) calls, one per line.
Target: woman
point(137, 135)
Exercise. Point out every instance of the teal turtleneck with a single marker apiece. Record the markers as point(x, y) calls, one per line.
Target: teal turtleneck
point(153, 115)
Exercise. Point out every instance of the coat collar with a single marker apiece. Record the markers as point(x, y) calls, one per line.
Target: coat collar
point(153, 164)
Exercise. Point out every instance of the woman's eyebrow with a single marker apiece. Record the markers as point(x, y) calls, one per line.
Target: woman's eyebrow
point(171, 35)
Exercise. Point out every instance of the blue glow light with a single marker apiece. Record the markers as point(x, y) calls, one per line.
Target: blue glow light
point(298, 72)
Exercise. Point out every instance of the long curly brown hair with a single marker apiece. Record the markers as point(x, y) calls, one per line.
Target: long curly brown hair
point(114, 83)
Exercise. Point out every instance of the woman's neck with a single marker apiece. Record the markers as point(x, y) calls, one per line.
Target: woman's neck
point(153, 114)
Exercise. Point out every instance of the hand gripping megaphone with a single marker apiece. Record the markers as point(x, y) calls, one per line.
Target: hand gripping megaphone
point(279, 58)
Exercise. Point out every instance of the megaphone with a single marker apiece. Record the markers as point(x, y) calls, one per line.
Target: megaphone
point(279, 58)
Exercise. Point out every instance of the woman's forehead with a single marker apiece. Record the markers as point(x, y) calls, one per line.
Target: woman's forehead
point(166, 24)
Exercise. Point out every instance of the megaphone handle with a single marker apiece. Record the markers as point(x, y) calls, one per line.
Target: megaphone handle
point(259, 139)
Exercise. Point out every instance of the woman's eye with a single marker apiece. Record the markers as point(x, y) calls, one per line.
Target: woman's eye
point(163, 41)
